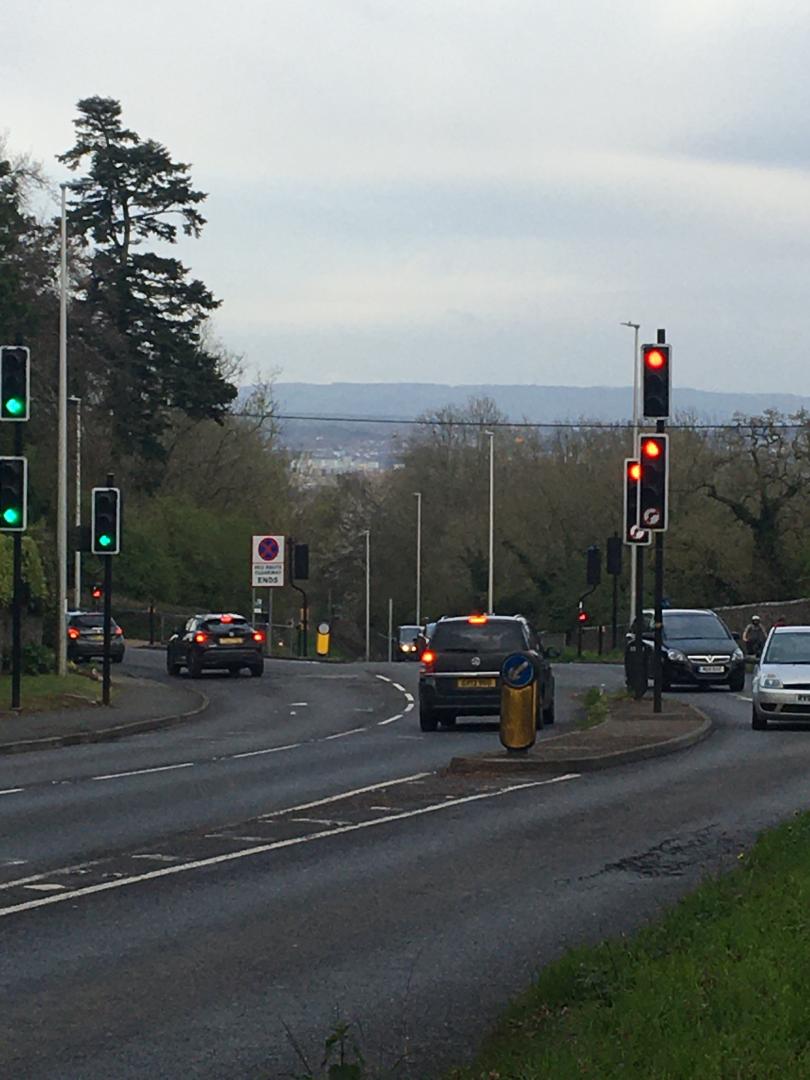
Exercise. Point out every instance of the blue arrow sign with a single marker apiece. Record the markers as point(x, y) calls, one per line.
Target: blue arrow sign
point(518, 671)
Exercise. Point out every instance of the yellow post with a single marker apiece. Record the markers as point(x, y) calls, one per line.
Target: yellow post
point(518, 723)
point(322, 639)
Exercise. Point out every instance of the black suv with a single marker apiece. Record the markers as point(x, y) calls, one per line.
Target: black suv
point(461, 668)
point(222, 641)
point(698, 649)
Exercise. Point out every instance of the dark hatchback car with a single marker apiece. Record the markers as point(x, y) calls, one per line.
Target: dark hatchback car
point(698, 650)
point(85, 637)
point(461, 668)
point(407, 643)
point(217, 641)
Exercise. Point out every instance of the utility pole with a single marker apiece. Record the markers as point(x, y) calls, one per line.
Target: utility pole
point(77, 517)
point(368, 594)
point(418, 495)
point(490, 586)
point(635, 551)
point(61, 466)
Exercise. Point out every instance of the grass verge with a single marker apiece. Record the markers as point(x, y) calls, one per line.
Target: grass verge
point(597, 707)
point(569, 656)
point(41, 692)
point(717, 989)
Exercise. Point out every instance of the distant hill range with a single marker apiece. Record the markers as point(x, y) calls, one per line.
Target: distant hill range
point(538, 404)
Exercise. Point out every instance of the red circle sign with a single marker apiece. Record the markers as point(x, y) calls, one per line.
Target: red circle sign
point(268, 549)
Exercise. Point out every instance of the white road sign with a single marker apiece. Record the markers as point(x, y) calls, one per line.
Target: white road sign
point(268, 560)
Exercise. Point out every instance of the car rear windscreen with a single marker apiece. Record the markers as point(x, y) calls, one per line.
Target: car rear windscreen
point(236, 621)
point(87, 622)
point(469, 637)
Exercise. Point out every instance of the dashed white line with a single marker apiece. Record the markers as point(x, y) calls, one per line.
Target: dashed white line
point(298, 704)
point(408, 707)
point(11, 791)
point(390, 720)
point(269, 750)
point(342, 734)
point(262, 849)
point(397, 686)
point(408, 697)
point(141, 772)
point(346, 795)
point(384, 678)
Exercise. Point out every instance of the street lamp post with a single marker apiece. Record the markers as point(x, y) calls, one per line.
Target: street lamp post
point(634, 548)
point(367, 533)
point(61, 463)
point(490, 604)
point(77, 518)
point(418, 495)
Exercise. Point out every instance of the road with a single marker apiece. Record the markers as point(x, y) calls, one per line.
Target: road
point(195, 901)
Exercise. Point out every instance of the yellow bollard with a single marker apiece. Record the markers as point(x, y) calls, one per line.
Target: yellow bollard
point(322, 639)
point(518, 723)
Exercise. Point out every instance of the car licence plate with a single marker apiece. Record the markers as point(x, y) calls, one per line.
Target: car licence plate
point(711, 669)
point(96, 637)
point(475, 684)
point(803, 699)
point(231, 640)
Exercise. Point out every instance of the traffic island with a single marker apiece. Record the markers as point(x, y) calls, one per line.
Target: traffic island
point(631, 732)
point(139, 705)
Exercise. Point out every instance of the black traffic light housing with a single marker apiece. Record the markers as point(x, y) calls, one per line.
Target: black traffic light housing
point(656, 379)
point(654, 482)
point(614, 556)
point(593, 565)
point(633, 533)
point(300, 562)
point(13, 494)
point(105, 526)
point(15, 383)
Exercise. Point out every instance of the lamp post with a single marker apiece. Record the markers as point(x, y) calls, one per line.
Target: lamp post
point(418, 495)
point(490, 605)
point(367, 533)
point(634, 548)
point(77, 518)
point(61, 463)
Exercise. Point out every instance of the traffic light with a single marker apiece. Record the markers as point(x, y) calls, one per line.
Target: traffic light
point(97, 592)
point(633, 532)
point(13, 494)
point(583, 617)
point(593, 565)
point(300, 571)
point(654, 482)
point(656, 380)
point(15, 382)
point(105, 528)
point(614, 556)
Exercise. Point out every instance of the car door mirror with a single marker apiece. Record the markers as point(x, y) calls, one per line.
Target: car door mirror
point(737, 637)
point(552, 653)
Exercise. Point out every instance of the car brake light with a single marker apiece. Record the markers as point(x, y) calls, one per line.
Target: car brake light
point(73, 633)
point(258, 635)
point(477, 620)
point(200, 637)
point(226, 618)
point(428, 657)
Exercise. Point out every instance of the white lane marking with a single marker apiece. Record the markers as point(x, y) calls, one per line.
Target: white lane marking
point(741, 697)
point(384, 678)
point(48, 886)
point(293, 712)
point(408, 707)
point(341, 734)
point(141, 772)
point(81, 868)
point(269, 750)
point(262, 849)
point(397, 686)
point(299, 704)
point(345, 795)
point(11, 791)
point(390, 720)
point(408, 697)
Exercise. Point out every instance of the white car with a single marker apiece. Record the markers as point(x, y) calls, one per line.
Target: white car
point(781, 685)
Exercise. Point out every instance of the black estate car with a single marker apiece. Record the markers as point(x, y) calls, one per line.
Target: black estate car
point(461, 668)
point(698, 649)
point(223, 641)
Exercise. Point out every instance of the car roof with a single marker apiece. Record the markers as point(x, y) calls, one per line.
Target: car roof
point(792, 629)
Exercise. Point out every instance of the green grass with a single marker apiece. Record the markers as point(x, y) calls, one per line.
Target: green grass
point(40, 692)
point(597, 707)
point(719, 989)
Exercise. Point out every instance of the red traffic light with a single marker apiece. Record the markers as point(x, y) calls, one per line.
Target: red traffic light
point(97, 592)
point(634, 471)
point(650, 448)
point(582, 616)
point(654, 358)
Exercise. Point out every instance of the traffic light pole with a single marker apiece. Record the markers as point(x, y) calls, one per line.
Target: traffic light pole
point(640, 664)
point(105, 677)
point(16, 602)
point(659, 600)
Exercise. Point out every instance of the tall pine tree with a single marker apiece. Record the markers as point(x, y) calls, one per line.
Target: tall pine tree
point(148, 313)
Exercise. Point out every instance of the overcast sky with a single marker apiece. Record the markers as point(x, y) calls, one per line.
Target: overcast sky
point(464, 191)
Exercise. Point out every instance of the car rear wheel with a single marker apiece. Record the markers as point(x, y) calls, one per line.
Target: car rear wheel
point(172, 668)
point(758, 722)
point(256, 671)
point(233, 672)
point(428, 720)
point(195, 668)
point(548, 713)
point(448, 721)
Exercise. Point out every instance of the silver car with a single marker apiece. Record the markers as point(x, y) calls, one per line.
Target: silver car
point(781, 686)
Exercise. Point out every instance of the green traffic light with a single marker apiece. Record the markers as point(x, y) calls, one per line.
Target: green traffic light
point(11, 516)
point(15, 406)
point(105, 540)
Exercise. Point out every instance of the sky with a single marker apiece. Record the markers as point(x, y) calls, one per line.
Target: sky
point(464, 191)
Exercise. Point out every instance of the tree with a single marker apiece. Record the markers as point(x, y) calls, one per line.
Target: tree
point(147, 314)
